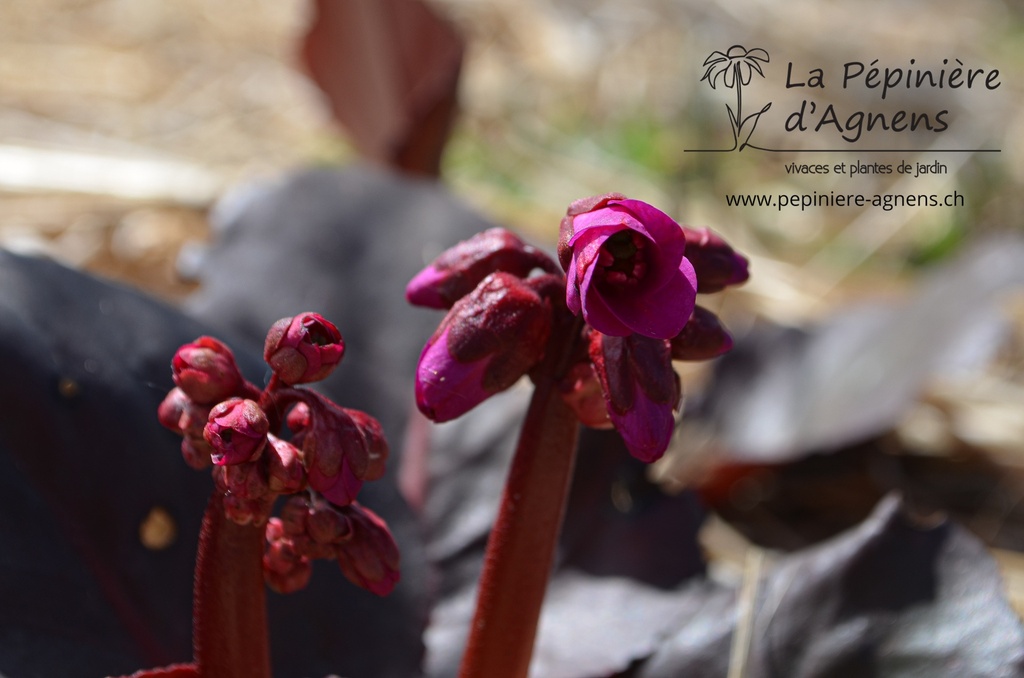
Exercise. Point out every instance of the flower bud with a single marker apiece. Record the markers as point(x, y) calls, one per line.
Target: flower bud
point(248, 511)
point(293, 515)
point(376, 444)
point(303, 349)
point(717, 265)
point(171, 409)
point(641, 390)
point(245, 481)
point(325, 525)
point(237, 431)
point(196, 452)
point(206, 371)
point(460, 269)
point(581, 391)
point(703, 337)
point(335, 455)
point(284, 570)
point(285, 473)
point(369, 559)
point(489, 339)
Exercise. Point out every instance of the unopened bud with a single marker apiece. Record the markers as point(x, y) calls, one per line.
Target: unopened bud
point(369, 559)
point(716, 263)
point(489, 339)
point(206, 371)
point(460, 269)
point(237, 431)
point(703, 337)
point(641, 390)
point(303, 349)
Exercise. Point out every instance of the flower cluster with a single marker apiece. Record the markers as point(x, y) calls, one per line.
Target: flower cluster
point(228, 423)
point(624, 309)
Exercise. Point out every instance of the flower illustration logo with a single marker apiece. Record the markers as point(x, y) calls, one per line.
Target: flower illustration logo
point(735, 67)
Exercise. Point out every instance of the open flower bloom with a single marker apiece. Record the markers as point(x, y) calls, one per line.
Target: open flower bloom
point(626, 269)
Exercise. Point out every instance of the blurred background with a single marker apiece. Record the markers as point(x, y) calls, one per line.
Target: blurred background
point(123, 121)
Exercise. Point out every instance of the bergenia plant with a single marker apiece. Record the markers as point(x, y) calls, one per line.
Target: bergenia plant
point(596, 332)
point(263, 444)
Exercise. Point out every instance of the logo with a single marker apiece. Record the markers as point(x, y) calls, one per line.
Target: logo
point(897, 100)
point(736, 67)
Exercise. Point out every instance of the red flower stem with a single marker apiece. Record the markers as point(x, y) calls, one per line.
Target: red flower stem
point(229, 614)
point(521, 549)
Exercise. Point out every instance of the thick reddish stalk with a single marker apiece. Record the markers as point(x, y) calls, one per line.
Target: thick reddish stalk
point(522, 545)
point(229, 616)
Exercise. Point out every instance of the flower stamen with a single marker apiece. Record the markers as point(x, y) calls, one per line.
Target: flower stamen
point(622, 260)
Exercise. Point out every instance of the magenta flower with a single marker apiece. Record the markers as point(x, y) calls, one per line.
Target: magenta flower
point(237, 431)
point(640, 388)
point(303, 349)
point(206, 371)
point(625, 266)
point(489, 339)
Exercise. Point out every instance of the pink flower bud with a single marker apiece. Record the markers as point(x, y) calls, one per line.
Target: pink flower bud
point(625, 268)
point(293, 516)
point(196, 452)
point(285, 473)
point(237, 431)
point(717, 265)
point(460, 269)
point(640, 388)
point(284, 570)
point(303, 349)
point(245, 481)
point(206, 371)
point(581, 391)
point(299, 418)
point(489, 339)
point(369, 559)
point(325, 525)
point(248, 511)
point(341, 488)
point(703, 337)
point(169, 411)
point(335, 455)
point(376, 444)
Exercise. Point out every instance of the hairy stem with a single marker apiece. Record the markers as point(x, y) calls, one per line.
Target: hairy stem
point(229, 616)
point(522, 545)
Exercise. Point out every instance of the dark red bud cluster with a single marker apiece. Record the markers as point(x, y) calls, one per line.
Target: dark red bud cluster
point(353, 535)
point(331, 452)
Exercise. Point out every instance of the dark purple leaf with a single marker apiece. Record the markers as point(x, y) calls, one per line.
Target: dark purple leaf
point(783, 393)
point(893, 597)
point(390, 71)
